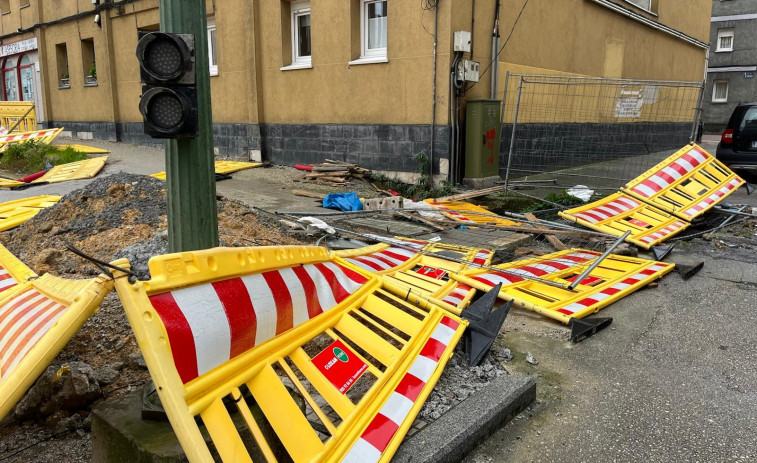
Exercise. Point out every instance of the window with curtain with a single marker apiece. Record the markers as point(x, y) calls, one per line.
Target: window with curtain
point(375, 20)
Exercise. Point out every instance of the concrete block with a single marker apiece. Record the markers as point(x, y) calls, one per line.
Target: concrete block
point(393, 202)
point(483, 182)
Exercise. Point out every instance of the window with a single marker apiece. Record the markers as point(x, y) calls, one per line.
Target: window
point(26, 75)
point(720, 91)
point(5, 6)
point(212, 47)
point(301, 51)
point(61, 61)
point(374, 28)
point(89, 66)
point(10, 85)
point(750, 119)
point(725, 40)
point(643, 4)
point(24, 3)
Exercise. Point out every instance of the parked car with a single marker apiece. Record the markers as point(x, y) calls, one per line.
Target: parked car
point(738, 143)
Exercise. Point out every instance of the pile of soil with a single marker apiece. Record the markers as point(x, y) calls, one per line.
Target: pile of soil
point(121, 215)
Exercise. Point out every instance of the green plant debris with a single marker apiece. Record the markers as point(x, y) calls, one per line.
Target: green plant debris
point(422, 188)
point(33, 156)
point(562, 198)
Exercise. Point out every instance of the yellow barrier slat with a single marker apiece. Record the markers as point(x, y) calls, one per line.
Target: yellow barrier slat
point(619, 213)
point(223, 432)
point(84, 148)
point(228, 167)
point(13, 111)
point(305, 395)
point(341, 404)
point(418, 281)
point(456, 211)
point(374, 344)
point(284, 416)
point(73, 170)
point(386, 311)
point(9, 183)
point(686, 184)
point(249, 420)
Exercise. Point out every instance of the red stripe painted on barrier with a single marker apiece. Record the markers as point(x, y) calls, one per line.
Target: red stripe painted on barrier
point(179, 335)
point(283, 301)
point(379, 432)
point(242, 321)
point(314, 305)
point(410, 387)
point(433, 350)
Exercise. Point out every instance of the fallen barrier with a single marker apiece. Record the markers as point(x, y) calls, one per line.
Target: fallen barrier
point(14, 213)
point(222, 168)
point(78, 170)
point(225, 329)
point(12, 271)
point(42, 136)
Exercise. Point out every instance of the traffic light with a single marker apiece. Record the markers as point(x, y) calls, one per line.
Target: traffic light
point(169, 96)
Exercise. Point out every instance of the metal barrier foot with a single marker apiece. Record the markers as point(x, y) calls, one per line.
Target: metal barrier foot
point(484, 325)
point(688, 271)
point(750, 188)
point(661, 251)
point(582, 328)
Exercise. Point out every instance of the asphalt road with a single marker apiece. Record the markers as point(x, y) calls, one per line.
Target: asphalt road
point(673, 380)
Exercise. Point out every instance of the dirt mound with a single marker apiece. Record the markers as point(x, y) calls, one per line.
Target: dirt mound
point(122, 215)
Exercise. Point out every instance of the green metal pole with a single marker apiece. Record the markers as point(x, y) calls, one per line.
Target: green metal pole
point(190, 172)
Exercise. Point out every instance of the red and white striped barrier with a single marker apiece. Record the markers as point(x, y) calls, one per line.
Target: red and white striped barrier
point(670, 173)
point(24, 319)
point(611, 290)
point(607, 211)
point(382, 260)
point(537, 269)
point(6, 280)
point(212, 323)
point(380, 431)
point(713, 198)
point(11, 138)
point(456, 215)
point(481, 256)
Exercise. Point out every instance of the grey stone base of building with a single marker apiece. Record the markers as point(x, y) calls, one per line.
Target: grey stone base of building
point(482, 182)
point(119, 435)
point(373, 146)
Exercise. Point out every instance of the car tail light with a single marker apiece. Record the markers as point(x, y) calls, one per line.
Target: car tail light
point(727, 136)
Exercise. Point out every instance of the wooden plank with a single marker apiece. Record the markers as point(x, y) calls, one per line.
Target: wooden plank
point(553, 240)
point(308, 194)
point(471, 194)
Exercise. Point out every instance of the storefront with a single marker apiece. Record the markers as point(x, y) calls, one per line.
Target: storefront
point(19, 65)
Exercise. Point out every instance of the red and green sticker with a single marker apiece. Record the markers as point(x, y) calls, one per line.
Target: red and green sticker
point(432, 272)
point(639, 223)
point(340, 365)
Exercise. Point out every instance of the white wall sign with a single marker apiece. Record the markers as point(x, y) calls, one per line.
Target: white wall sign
point(18, 47)
point(628, 107)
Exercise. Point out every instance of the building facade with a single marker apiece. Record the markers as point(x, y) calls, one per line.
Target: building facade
point(733, 61)
point(301, 81)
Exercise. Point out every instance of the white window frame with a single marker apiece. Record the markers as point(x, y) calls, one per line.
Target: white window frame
point(714, 91)
point(300, 9)
point(376, 53)
point(725, 32)
point(212, 28)
point(645, 8)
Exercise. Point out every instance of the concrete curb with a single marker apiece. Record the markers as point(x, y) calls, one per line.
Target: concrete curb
point(460, 430)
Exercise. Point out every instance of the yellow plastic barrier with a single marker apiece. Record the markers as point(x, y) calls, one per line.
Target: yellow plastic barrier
point(37, 318)
point(12, 271)
point(226, 327)
point(73, 170)
point(221, 168)
point(42, 136)
point(686, 184)
point(14, 213)
point(452, 209)
point(13, 111)
point(615, 278)
point(9, 183)
point(84, 148)
point(619, 213)
point(421, 275)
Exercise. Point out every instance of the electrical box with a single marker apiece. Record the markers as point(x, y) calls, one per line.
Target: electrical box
point(467, 71)
point(482, 134)
point(461, 41)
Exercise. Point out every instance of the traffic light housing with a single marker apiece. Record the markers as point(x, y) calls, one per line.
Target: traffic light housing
point(169, 97)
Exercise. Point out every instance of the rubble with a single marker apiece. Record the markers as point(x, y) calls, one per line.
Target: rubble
point(64, 388)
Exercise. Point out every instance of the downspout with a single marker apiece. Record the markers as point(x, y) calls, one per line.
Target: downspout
point(495, 48)
point(433, 97)
point(453, 120)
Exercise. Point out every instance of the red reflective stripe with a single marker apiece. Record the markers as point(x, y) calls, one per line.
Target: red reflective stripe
point(380, 431)
point(383, 259)
point(533, 270)
point(650, 184)
point(666, 177)
point(240, 313)
point(448, 322)
point(410, 387)
point(595, 215)
point(5, 276)
point(630, 281)
point(611, 291)
point(339, 292)
point(283, 300)
point(587, 302)
point(648, 271)
point(311, 296)
point(575, 259)
point(619, 210)
point(566, 312)
point(433, 349)
point(179, 335)
point(679, 168)
point(12, 322)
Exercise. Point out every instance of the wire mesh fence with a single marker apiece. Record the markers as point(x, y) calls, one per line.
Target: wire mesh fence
point(597, 132)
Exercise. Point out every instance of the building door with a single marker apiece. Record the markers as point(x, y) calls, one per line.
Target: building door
point(10, 83)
